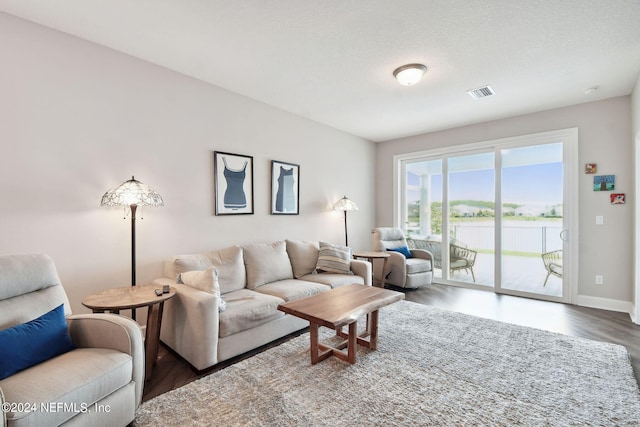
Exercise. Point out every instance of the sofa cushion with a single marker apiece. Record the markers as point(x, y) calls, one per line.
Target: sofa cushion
point(27, 344)
point(292, 289)
point(247, 309)
point(418, 265)
point(228, 261)
point(205, 281)
point(266, 263)
point(303, 256)
point(460, 263)
point(334, 258)
point(230, 265)
point(190, 262)
point(333, 280)
point(96, 373)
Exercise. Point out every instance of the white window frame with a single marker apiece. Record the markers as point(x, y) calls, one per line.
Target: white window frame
point(569, 138)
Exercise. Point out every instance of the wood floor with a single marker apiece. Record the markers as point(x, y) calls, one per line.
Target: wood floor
point(173, 372)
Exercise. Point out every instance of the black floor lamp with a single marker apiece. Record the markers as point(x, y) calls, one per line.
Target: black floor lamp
point(132, 194)
point(345, 205)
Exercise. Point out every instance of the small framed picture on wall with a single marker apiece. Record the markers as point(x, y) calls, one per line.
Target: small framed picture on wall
point(617, 199)
point(285, 188)
point(233, 183)
point(604, 183)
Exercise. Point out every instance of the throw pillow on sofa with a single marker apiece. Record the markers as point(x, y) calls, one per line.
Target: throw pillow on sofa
point(205, 281)
point(334, 258)
point(230, 265)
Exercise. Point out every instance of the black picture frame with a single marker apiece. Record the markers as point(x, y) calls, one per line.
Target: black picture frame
point(233, 183)
point(285, 188)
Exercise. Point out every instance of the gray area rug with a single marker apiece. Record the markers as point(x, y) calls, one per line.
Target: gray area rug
point(432, 367)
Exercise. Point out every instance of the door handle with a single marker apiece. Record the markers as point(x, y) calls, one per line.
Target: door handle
point(563, 235)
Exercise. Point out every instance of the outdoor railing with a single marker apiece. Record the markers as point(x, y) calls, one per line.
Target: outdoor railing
point(517, 239)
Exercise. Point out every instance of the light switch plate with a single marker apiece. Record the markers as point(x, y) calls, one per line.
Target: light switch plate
point(599, 220)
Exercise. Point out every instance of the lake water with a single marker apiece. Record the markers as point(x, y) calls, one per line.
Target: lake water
point(517, 235)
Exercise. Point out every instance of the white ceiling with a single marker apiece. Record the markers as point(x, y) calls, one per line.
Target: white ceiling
point(332, 60)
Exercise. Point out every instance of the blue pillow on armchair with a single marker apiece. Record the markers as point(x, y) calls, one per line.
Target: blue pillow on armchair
point(28, 344)
point(403, 250)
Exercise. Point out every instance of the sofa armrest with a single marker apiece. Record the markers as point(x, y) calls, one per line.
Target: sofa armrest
point(362, 268)
point(190, 324)
point(114, 332)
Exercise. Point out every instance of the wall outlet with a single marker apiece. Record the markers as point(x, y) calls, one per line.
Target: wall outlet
point(599, 280)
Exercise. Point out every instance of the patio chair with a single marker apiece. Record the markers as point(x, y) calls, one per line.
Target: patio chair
point(460, 257)
point(553, 264)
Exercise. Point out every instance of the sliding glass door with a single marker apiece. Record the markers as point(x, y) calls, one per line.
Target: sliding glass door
point(466, 186)
point(532, 219)
point(495, 215)
point(471, 219)
point(422, 213)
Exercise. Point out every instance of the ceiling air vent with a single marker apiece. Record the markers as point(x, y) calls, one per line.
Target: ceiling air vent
point(481, 92)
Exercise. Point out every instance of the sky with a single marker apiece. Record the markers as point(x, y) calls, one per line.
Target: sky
point(540, 183)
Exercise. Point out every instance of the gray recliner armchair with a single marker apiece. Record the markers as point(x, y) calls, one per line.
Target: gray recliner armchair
point(401, 271)
point(97, 383)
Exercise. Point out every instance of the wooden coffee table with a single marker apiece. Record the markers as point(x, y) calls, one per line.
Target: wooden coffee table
point(117, 299)
point(340, 307)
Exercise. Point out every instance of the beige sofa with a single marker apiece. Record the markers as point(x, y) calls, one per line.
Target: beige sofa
point(99, 383)
point(253, 279)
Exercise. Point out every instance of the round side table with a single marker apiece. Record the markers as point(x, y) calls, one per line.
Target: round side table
point(131, 297)
point(370, 256)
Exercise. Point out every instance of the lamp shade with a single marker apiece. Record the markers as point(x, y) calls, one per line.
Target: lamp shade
point(345, 204)
point(409, 74)
point(132, 192)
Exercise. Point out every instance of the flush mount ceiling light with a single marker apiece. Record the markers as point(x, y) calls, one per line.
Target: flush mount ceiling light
point(409, 74)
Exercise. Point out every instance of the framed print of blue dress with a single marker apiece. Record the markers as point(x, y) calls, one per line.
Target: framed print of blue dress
point(233, 176)
point(285, 188)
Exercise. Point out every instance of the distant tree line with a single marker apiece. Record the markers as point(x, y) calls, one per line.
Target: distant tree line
point(484, 209)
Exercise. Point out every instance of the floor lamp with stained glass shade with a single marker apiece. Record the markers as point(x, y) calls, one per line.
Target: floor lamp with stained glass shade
point(132, 194)
point(345, 204)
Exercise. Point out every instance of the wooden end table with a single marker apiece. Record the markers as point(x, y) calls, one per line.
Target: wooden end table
point(114, 300)
point(370, 256)
point(342, 307)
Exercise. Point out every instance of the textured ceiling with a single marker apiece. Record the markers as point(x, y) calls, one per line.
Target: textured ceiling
point(332, 60)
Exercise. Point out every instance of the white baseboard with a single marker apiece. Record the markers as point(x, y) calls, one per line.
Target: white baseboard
point(634, 318)
point(605, 304)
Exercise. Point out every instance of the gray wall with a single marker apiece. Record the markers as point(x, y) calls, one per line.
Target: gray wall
point(604, 138)
point(78, 119)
